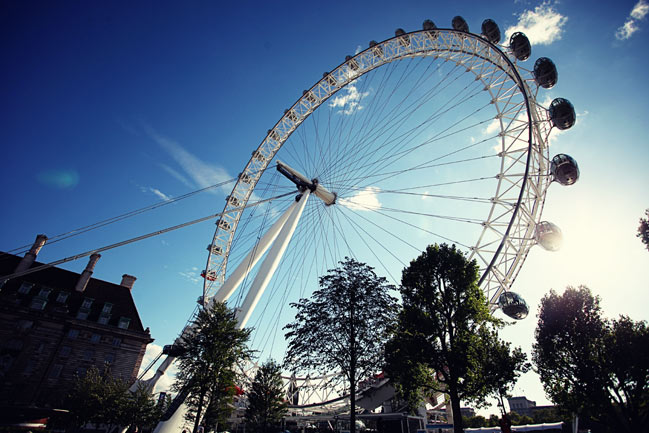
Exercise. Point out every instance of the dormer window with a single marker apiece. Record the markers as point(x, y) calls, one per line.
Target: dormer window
point(108, 307)
point(25, 287)
point(62, 298)
point(44, 293)
point(87, 303)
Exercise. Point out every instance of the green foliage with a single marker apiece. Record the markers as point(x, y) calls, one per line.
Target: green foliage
point(266, 400)
point(446, 339)
point(210, 349)
point(344, 326)
point(643, 229)
point(474, 421)
point(592, 366)
point(103, 399)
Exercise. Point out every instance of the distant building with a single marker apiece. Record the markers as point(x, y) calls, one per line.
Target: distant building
point(521, 405)
point(56, 324)
point(467, 412)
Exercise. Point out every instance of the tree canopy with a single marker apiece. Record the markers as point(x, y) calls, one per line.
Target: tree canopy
point(100, 398)
point(343, 327)
point(446, 339)
point(590, 365)
point(210, 349)
point(266, 400)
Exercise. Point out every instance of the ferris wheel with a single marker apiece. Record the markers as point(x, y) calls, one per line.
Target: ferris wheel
point(430, 136)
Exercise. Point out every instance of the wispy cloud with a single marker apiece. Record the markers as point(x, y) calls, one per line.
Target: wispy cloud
point(542, 26)
point(192, 275)
point(157, 192)
point(365, 199)
point(202, 173)
point(349, 102)
point(630, 26)
point(176, 175)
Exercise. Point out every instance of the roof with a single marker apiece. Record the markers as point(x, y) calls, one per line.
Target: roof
point(61, 280)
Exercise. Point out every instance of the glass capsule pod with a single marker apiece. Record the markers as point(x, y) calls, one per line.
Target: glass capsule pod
point(562, 113)
point(491, 31)
point(545, 73)
point(513, 305)
point(520, 46)
point(459, 23)
point(548, 235)
point(564, 169)
point(429, 25)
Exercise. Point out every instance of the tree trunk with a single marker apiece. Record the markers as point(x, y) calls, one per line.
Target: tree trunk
point(199, 409)
point(352, 413)
point(455, 406)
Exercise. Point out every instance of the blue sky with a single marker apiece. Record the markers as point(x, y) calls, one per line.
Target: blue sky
point(112, 107)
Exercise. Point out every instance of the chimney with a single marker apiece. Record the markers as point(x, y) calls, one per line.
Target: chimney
point(87, 273)
point(30, 256)
point(127, 281)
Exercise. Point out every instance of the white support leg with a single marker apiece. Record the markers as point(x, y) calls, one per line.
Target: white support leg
point(271, 262)
point(249, 262)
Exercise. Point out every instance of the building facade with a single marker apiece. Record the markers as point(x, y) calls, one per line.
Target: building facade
point(521, 405)
point(56, 324)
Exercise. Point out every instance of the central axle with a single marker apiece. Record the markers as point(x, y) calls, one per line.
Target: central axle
point(303, 183)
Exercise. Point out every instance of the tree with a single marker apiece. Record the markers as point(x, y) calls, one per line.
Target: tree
point(643, 229)
point(266, 400)
point(100, 398)
point(343, 327)
point(209, 351)
point(446, 339)
point(594, 367)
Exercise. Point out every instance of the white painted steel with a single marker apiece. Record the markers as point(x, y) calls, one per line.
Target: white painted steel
point(269, 265)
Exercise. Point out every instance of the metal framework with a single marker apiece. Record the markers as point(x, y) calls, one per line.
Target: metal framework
point(518, 200)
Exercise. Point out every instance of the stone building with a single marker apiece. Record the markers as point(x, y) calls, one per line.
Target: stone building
point(56, 324)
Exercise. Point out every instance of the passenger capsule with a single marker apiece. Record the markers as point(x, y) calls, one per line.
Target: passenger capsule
point(562, 113)
point(520, 46)
point(564, 169)
point(351, 62)
point(404, 39)
point(545, 73)
point(376, 49)
point(491, 31)
point(429, 25)
point(548, 235)
point(513, 305)
point(459, 23)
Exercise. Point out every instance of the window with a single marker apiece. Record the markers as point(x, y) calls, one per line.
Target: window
point(55, 372)
point(63, 296)
point(25, 288)
point(87, 303)
point(38, 303)
point(109, 358)
point(117, 342)
point(103, 319)
point(73, 333)
point(65, 351)
point(88, 354)
point(82, 315)
point(81, 371)
point(24, 324)
point(95, 338)
point(40, 347)
point(108, 307)
point(44, 293)
point(124, 322)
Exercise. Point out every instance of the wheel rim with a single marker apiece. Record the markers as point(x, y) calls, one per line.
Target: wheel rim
point(505, 212)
